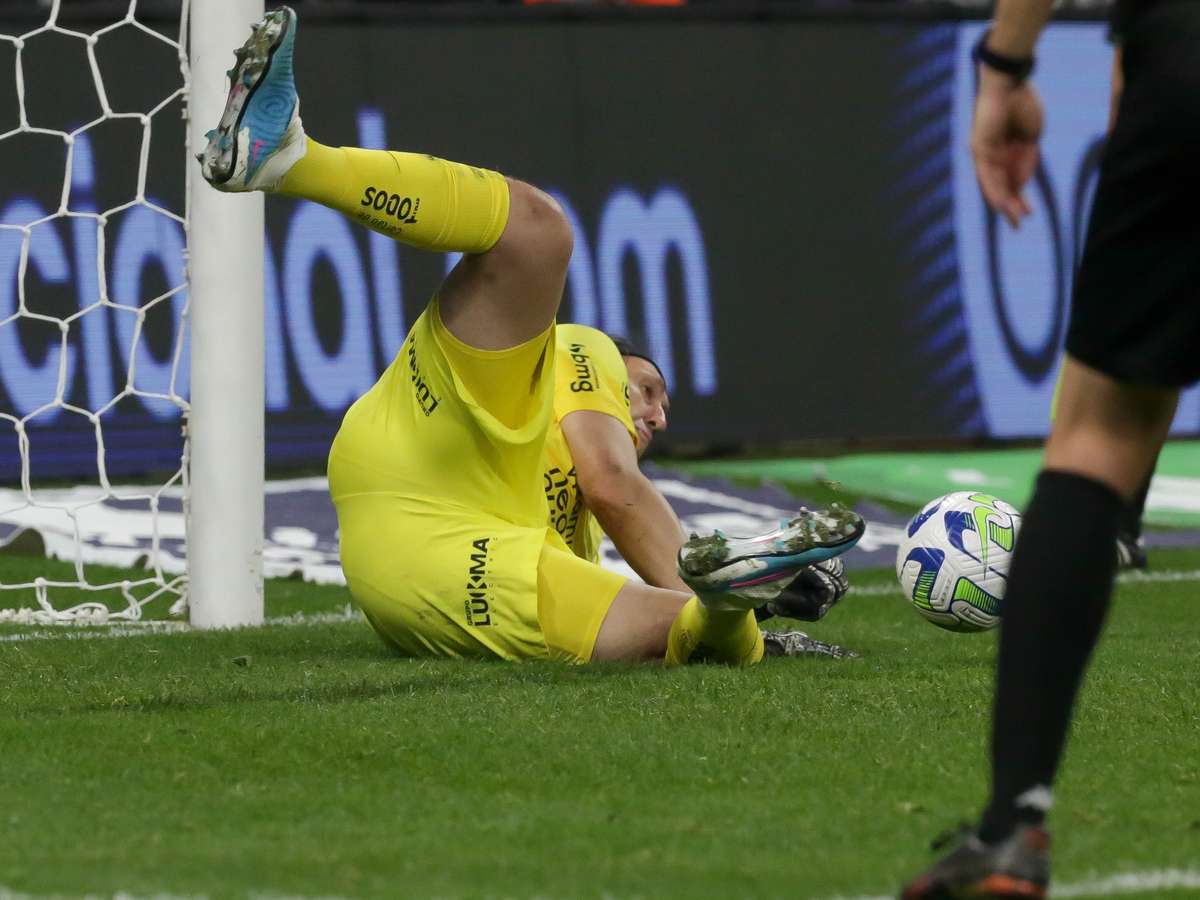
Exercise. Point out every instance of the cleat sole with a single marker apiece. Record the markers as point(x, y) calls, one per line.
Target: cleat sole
point(809, 538)
point(253, 65)
point(1005, 887)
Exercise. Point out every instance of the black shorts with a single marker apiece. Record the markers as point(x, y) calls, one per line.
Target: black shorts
point(1135, 314)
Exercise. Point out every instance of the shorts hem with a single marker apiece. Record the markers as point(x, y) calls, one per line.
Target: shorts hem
point(1129, 374)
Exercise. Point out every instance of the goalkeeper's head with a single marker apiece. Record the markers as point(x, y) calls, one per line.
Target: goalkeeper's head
point(648, 400)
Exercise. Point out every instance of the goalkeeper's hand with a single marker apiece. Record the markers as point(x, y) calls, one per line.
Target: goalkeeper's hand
point(814, 592)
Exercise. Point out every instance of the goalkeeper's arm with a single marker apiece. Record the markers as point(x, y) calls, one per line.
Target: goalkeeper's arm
point(625, 502)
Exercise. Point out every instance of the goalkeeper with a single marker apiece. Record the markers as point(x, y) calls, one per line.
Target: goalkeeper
point(436, 471)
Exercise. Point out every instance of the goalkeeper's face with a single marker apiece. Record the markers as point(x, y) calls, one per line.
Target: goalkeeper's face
point(648, 400)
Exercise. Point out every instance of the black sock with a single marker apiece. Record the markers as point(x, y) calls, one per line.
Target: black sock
point(1058, 592)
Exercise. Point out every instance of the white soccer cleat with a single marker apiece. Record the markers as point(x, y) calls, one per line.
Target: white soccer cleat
point(260, 135)
point(743, 573)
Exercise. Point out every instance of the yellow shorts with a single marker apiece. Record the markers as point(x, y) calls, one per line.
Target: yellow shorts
point(435, 573)
point(573, 598)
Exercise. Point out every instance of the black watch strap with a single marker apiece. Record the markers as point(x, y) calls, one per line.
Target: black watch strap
point(1015, 67)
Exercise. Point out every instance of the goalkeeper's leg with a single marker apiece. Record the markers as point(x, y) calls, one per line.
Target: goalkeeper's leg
point(515, 238)
point(590, 614)
point(647, 623)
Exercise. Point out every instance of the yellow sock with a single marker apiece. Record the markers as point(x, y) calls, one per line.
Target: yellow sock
point(700, 634)
point(420, 200)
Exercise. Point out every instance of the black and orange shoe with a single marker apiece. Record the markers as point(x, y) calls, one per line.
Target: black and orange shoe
point(1017, 868)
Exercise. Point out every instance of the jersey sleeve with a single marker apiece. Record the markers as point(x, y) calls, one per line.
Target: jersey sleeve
point(590, 375)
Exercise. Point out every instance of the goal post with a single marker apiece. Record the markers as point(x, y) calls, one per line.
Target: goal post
point(226, 421)
point(131, 300)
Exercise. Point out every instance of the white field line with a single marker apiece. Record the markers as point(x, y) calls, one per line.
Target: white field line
point(1160, 880)
point(1185, 575)
point(1110, 886)
point(132, 629)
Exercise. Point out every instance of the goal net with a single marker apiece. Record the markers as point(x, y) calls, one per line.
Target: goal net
point(111, 419)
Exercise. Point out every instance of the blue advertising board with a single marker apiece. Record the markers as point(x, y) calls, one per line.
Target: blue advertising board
point(804, 265)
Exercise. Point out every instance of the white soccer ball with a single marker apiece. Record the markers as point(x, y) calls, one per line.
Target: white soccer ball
point(953, 560)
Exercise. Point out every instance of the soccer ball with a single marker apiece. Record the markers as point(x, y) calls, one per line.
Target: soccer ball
point(953, 560)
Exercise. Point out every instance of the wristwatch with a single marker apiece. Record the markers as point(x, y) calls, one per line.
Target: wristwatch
point(1017, 68)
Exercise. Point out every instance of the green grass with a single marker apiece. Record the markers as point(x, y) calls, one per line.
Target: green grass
point(307, 760)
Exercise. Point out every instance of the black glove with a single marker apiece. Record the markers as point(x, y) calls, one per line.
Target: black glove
point(811, 595)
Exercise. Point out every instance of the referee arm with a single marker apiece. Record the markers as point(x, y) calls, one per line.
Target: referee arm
point(1008, 111)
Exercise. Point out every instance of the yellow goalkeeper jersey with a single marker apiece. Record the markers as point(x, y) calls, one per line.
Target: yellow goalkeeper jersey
point(448, 427)
point(589, 375)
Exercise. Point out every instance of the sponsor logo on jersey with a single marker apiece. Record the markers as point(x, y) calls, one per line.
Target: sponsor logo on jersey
point(477, 607)
point(425, 398)
point(585, 372)
point(564, 500)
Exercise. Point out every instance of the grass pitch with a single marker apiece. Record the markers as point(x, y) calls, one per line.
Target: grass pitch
point(308, 760)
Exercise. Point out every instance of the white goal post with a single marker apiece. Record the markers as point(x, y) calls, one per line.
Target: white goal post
point(199, 534)
point(226, 425)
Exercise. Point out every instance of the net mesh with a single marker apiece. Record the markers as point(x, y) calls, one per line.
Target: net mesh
point(93, 317)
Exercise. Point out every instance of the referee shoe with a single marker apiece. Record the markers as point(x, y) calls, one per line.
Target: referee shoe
point(1017, 868)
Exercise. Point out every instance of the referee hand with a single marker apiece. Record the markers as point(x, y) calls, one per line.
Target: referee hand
point(1004, 142)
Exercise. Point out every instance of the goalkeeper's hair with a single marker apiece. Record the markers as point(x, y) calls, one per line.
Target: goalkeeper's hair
point(626, 347)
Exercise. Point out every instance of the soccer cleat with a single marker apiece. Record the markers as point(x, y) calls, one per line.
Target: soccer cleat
point(260, 135)
point(1017, 868)
point(742, 573)
point(797, 643)
point(815, 591)
point(1131, 552)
